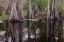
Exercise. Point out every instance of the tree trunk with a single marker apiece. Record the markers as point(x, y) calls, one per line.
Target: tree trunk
point(20, 9)
point(47, 21)
point(29, 17)
point(13, 15)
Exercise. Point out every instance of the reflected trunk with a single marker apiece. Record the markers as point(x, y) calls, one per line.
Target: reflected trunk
point(14, 31)
point(20, 31)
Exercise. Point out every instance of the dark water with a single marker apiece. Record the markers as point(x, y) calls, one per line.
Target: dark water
point(18, 32)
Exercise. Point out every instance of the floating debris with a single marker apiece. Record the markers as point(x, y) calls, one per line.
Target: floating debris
point(1, 21)
point(25, 34)
point(2, 33)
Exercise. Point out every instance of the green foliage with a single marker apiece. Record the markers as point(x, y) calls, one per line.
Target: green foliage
point(42, 3)
point(4, 16)
point(59, 6)
point(42, 13)
point(25, 13)
point(59, 10)
point(3, 13)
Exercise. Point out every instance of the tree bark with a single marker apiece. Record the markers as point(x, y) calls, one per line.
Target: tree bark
point(20, 9)
point(13, 15)
point(29, 17)
point(47, 21)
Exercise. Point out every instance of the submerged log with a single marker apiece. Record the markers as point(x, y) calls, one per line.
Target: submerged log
point(13, 15)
